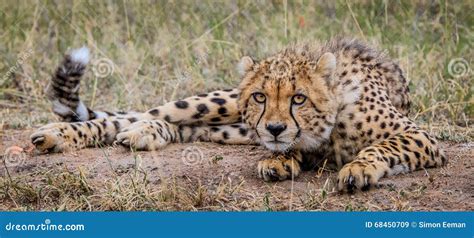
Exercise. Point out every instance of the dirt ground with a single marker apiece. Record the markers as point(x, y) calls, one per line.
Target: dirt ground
point(207, 176)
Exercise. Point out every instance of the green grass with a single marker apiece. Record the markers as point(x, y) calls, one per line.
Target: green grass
point(162, 50)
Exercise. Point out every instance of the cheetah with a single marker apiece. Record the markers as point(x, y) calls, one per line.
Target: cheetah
point(341, 102)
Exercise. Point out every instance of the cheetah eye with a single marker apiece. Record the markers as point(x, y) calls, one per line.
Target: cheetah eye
point(298, 99)
point(259, 97)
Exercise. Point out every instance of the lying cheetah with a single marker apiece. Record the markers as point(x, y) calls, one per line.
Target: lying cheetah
point(340, 101)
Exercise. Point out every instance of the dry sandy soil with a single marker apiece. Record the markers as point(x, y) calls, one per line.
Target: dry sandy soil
point(206, 176)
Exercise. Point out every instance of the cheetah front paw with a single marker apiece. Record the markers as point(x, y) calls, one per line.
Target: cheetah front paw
point(358, 174)
point(144, 135)
point(279, 167)
point(54, 137)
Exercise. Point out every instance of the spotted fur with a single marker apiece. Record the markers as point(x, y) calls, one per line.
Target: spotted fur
point(342, 102)
point(63, 90)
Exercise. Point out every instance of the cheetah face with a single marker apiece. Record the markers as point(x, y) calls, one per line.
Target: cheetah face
point(288, 101)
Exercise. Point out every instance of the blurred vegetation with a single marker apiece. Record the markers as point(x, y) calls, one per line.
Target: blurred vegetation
point(164, 50)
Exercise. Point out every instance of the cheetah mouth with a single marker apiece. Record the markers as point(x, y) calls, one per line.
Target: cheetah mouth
point(277, 145)
point(277, 142)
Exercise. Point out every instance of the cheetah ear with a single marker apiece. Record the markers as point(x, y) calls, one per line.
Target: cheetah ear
point(245, 65)
point(326, 64)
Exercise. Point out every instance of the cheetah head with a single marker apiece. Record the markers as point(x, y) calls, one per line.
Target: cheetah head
point(287, 99)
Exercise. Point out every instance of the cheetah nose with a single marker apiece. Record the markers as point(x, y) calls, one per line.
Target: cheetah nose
point(276, 129)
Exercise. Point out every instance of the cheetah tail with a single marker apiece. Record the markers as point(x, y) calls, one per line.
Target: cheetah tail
point(64, 88)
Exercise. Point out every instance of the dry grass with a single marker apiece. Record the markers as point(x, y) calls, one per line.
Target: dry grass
point(63, 190)
point(123, 181)
point(161, 51)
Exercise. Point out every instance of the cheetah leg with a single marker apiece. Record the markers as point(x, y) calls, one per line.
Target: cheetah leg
point(405, 152)
point(138, 132)
point(280, 166)
point(150, 134)
point(155, 134)
point(63, 136)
